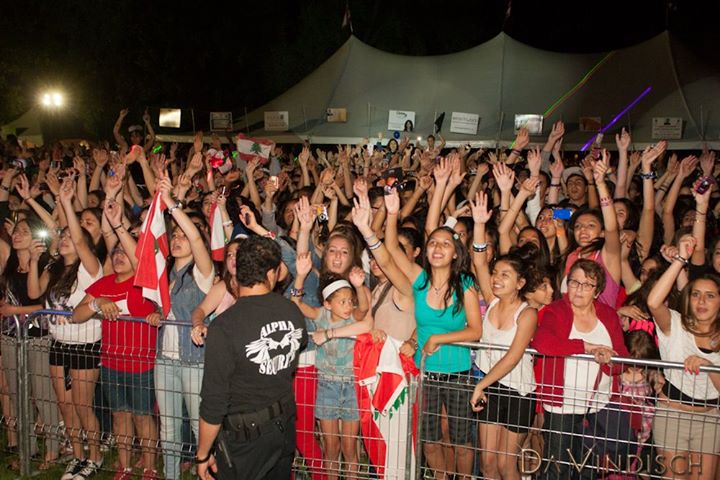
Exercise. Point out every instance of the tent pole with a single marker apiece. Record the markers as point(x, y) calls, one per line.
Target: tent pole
point(434, 118)
point(702, 123)
point(247, 125)
point(369, 120)
point(192, 116)
point(304, 117)
point(499, 132)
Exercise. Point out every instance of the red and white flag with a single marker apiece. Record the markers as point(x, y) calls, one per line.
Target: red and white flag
point(250, 148)
point(383, 392)
point(151, 252)
point(217, 233)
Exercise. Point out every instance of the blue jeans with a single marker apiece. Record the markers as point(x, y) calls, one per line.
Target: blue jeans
point(176, 382)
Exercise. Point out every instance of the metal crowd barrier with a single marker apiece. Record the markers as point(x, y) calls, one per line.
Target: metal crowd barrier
point(393, 439)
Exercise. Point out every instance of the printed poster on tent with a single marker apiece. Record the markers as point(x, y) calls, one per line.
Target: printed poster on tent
point(401, 120)
point(277, 121)
point(667, 128)
point(466, 123)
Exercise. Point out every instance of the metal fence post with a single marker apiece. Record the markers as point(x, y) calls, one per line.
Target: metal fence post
point(412, 393)
point(23, 420)
point(420, 404)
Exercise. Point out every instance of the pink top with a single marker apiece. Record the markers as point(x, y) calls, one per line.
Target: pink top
point(609, 295)
point(227, 301)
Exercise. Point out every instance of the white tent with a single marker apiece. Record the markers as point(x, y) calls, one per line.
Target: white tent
point(26, 127)
point(496, 80)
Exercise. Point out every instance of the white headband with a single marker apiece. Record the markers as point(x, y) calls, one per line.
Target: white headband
point(334, 287)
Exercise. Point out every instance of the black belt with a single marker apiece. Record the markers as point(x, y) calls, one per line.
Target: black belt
point(247, 425)
point(675, 394)
point(449, 377)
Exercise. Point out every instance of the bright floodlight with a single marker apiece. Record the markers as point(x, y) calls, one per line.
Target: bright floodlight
point(52, 99)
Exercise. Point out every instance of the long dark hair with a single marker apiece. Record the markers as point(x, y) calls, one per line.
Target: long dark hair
point(541, 257)
point(63, 278)
point(688, 318)
point(524, 269)
point(459, 271)
point(99, 248)
point(12, 264)
point(226, 276)
point(595, 245)
point(348, 233)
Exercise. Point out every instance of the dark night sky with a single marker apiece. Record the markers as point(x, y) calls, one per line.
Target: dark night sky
point(107, 54)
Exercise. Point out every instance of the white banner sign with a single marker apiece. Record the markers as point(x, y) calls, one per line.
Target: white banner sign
point(221, 121)
point(464, 123)
point(667, 128)
point(531, 121)
point(169, 117)
point(336, 115)
point(401, 120)
point(277, 121)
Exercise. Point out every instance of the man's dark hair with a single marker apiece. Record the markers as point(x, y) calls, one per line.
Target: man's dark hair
point(257, 256)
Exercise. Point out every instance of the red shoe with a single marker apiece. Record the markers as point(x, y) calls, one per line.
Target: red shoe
point(149, 474)
point(123, 474)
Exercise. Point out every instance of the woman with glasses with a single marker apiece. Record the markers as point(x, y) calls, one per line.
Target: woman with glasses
point(579, 396)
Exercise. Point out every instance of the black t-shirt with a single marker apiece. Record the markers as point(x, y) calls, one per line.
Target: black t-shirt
point(251, 354)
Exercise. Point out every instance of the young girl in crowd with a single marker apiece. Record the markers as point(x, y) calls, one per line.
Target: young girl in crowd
point(342, 315)
point(504, 396)
point(687, 419)
point(75, 349)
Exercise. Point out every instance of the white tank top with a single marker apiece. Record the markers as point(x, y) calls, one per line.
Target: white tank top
point(521, 377)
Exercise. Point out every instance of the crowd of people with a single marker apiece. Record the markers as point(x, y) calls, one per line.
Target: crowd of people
point(612, 255)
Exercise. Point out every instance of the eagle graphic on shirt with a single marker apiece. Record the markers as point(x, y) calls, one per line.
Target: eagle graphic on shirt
point(273, 352)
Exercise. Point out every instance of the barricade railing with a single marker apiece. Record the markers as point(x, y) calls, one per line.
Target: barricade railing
point(582, 433)
point(428, 418)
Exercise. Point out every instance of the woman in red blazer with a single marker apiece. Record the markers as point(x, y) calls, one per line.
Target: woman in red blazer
point(578, 396)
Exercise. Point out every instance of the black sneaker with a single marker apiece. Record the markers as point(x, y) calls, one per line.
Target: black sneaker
point(72, 468)
point(89, 470)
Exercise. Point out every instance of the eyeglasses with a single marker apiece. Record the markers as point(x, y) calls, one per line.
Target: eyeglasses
point(580, 285)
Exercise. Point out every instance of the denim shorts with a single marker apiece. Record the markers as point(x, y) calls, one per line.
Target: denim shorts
point(128, 391)
point(336, 399)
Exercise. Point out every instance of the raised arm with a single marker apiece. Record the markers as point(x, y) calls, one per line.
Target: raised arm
point(647, 215)
point(87, 257)
point(481, 215)
point(611, 249)
point(661, 289)
point(150, 141)
point(303, 161)
point(528, 189)
point(25, 192)
point(442, 173)
point(303, 264)
point(361, 218)
point(114, 213)
point(392, 205)
point(702, 203)
point(622, 140)
point(82, 187)
point(116, 129)
point(687, 167)
point(37, 282)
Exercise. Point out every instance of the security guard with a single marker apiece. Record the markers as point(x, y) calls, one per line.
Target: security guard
point(247, 400)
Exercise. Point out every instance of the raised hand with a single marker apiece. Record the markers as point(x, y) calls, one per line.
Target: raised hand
point(556, 168)
point(304, 155)
point(362, 214)
point(442, 170)
point(303, 264)
point(534, 160)
point(479, 208)
point(686, 246)
point(123, 113)
point(166, 189)
point(529, 186)
point(707, 161)
point(601, 167)
point(67, 190)
point(673, 164)
point(557, 131)
point(357, 277)
point(304, 213)
point(198, 142)
point(627, 240)
point(37, 248)
point(251, 167)
point(456, 176)
point(392, 202)
point(522, 139)
point(247, 217)
point(360, 187)
point(650, 154)
point(79, 165)
point(23, 187)
point(113, 212)
point(504, 176)
point(146, 116)
point(622, 140)
point(687, 166)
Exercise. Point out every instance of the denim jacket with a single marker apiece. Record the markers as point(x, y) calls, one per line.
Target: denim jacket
point(185, 296)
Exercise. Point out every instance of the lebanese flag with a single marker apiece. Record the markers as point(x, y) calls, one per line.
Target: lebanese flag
point(151, 252)
point(217, 234)
point(383, 376)
point(249, 148)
